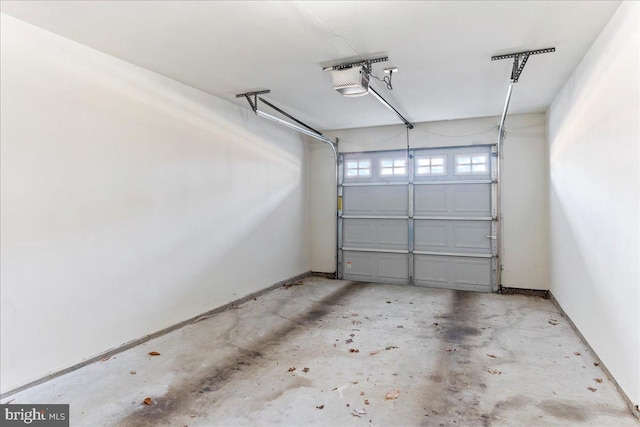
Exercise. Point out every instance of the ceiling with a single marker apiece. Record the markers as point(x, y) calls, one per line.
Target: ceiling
point(442, 50)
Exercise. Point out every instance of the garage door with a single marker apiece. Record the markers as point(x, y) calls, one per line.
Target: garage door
point(424, 217)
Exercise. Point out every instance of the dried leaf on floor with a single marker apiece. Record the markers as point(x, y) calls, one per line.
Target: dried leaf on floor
point(132, 372)
point(354, 350)
point(392, 395)
point(358, 412)
point(320, 407)
point(291, 369)
point(577, 353)
point(366, 401)
point(305, 370)
point(154, 353)
point(148, 401)
point(374, 352)
point(596, 364)
point(591, 389)
point(598, 380)
point(493, 356)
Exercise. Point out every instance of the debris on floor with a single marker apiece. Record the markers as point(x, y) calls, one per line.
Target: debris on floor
point(598, 380)
point(320, 406)
point(493, 356)
point(553, 322)
point(374, 352)
point(391, 347)
point(358, 412)
point(494, 372)
point(293, 368)
point(366, 401)
point(132, 372)
point(451, 349)
point(577, 353)
point(354, 350)
point(349, 341)
point(154, 353)
point(305, 370)
point(392, 395)
point(148, 401)
point(105, 359)
point(288, 285)
point(591, 389)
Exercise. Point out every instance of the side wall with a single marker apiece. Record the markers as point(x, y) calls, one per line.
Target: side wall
point(130, 202)
point(524, 189)
point(595, 197)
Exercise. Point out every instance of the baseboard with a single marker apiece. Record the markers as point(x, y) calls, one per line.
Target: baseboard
point(144, 339)
point(528, 292)
point(632, 407)
point(323, 275)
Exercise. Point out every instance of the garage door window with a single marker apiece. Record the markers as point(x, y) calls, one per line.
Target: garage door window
point(434, 165)
point(393, 167)
point(359, 169)
point(471, 164)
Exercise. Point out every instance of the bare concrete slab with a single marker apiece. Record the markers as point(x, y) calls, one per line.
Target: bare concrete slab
point(336, 353)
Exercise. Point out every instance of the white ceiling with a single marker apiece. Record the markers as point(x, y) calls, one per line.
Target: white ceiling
point(442, 49)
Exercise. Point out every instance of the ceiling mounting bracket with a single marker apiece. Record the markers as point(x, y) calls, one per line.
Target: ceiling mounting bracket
point(366, 63)
point(253, 102)
point(253, 98)
point(520, 60)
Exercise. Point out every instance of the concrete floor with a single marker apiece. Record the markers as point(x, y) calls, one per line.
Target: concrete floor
point(313, 354)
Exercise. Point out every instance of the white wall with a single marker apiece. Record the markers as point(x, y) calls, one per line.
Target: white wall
point(524, 190)
point(130, 202)
point(595, 197)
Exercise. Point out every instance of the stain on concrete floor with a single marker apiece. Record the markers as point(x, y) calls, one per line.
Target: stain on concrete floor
point(456, 358)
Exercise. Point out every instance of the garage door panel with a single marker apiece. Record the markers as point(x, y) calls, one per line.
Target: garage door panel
point(468, 200)
point(393, 267)
point(472, 199)
point(375, 200)
point(472, 236)
point(376, 267)
point(453, 236)
point(431, 200)
point(359, 265)
point(375, 233)
point(471, 274)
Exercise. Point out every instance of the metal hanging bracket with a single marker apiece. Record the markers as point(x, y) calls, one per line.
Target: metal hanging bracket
point(365, 63)
point(520, 60)
point(253, 98)
point(253, 102)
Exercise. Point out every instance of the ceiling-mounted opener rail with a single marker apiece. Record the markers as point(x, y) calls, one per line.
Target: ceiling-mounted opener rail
point(519, 61)
point(253, 98)
point(366, 65)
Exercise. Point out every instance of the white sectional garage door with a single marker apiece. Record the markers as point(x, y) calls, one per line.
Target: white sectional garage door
point(425, 217)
